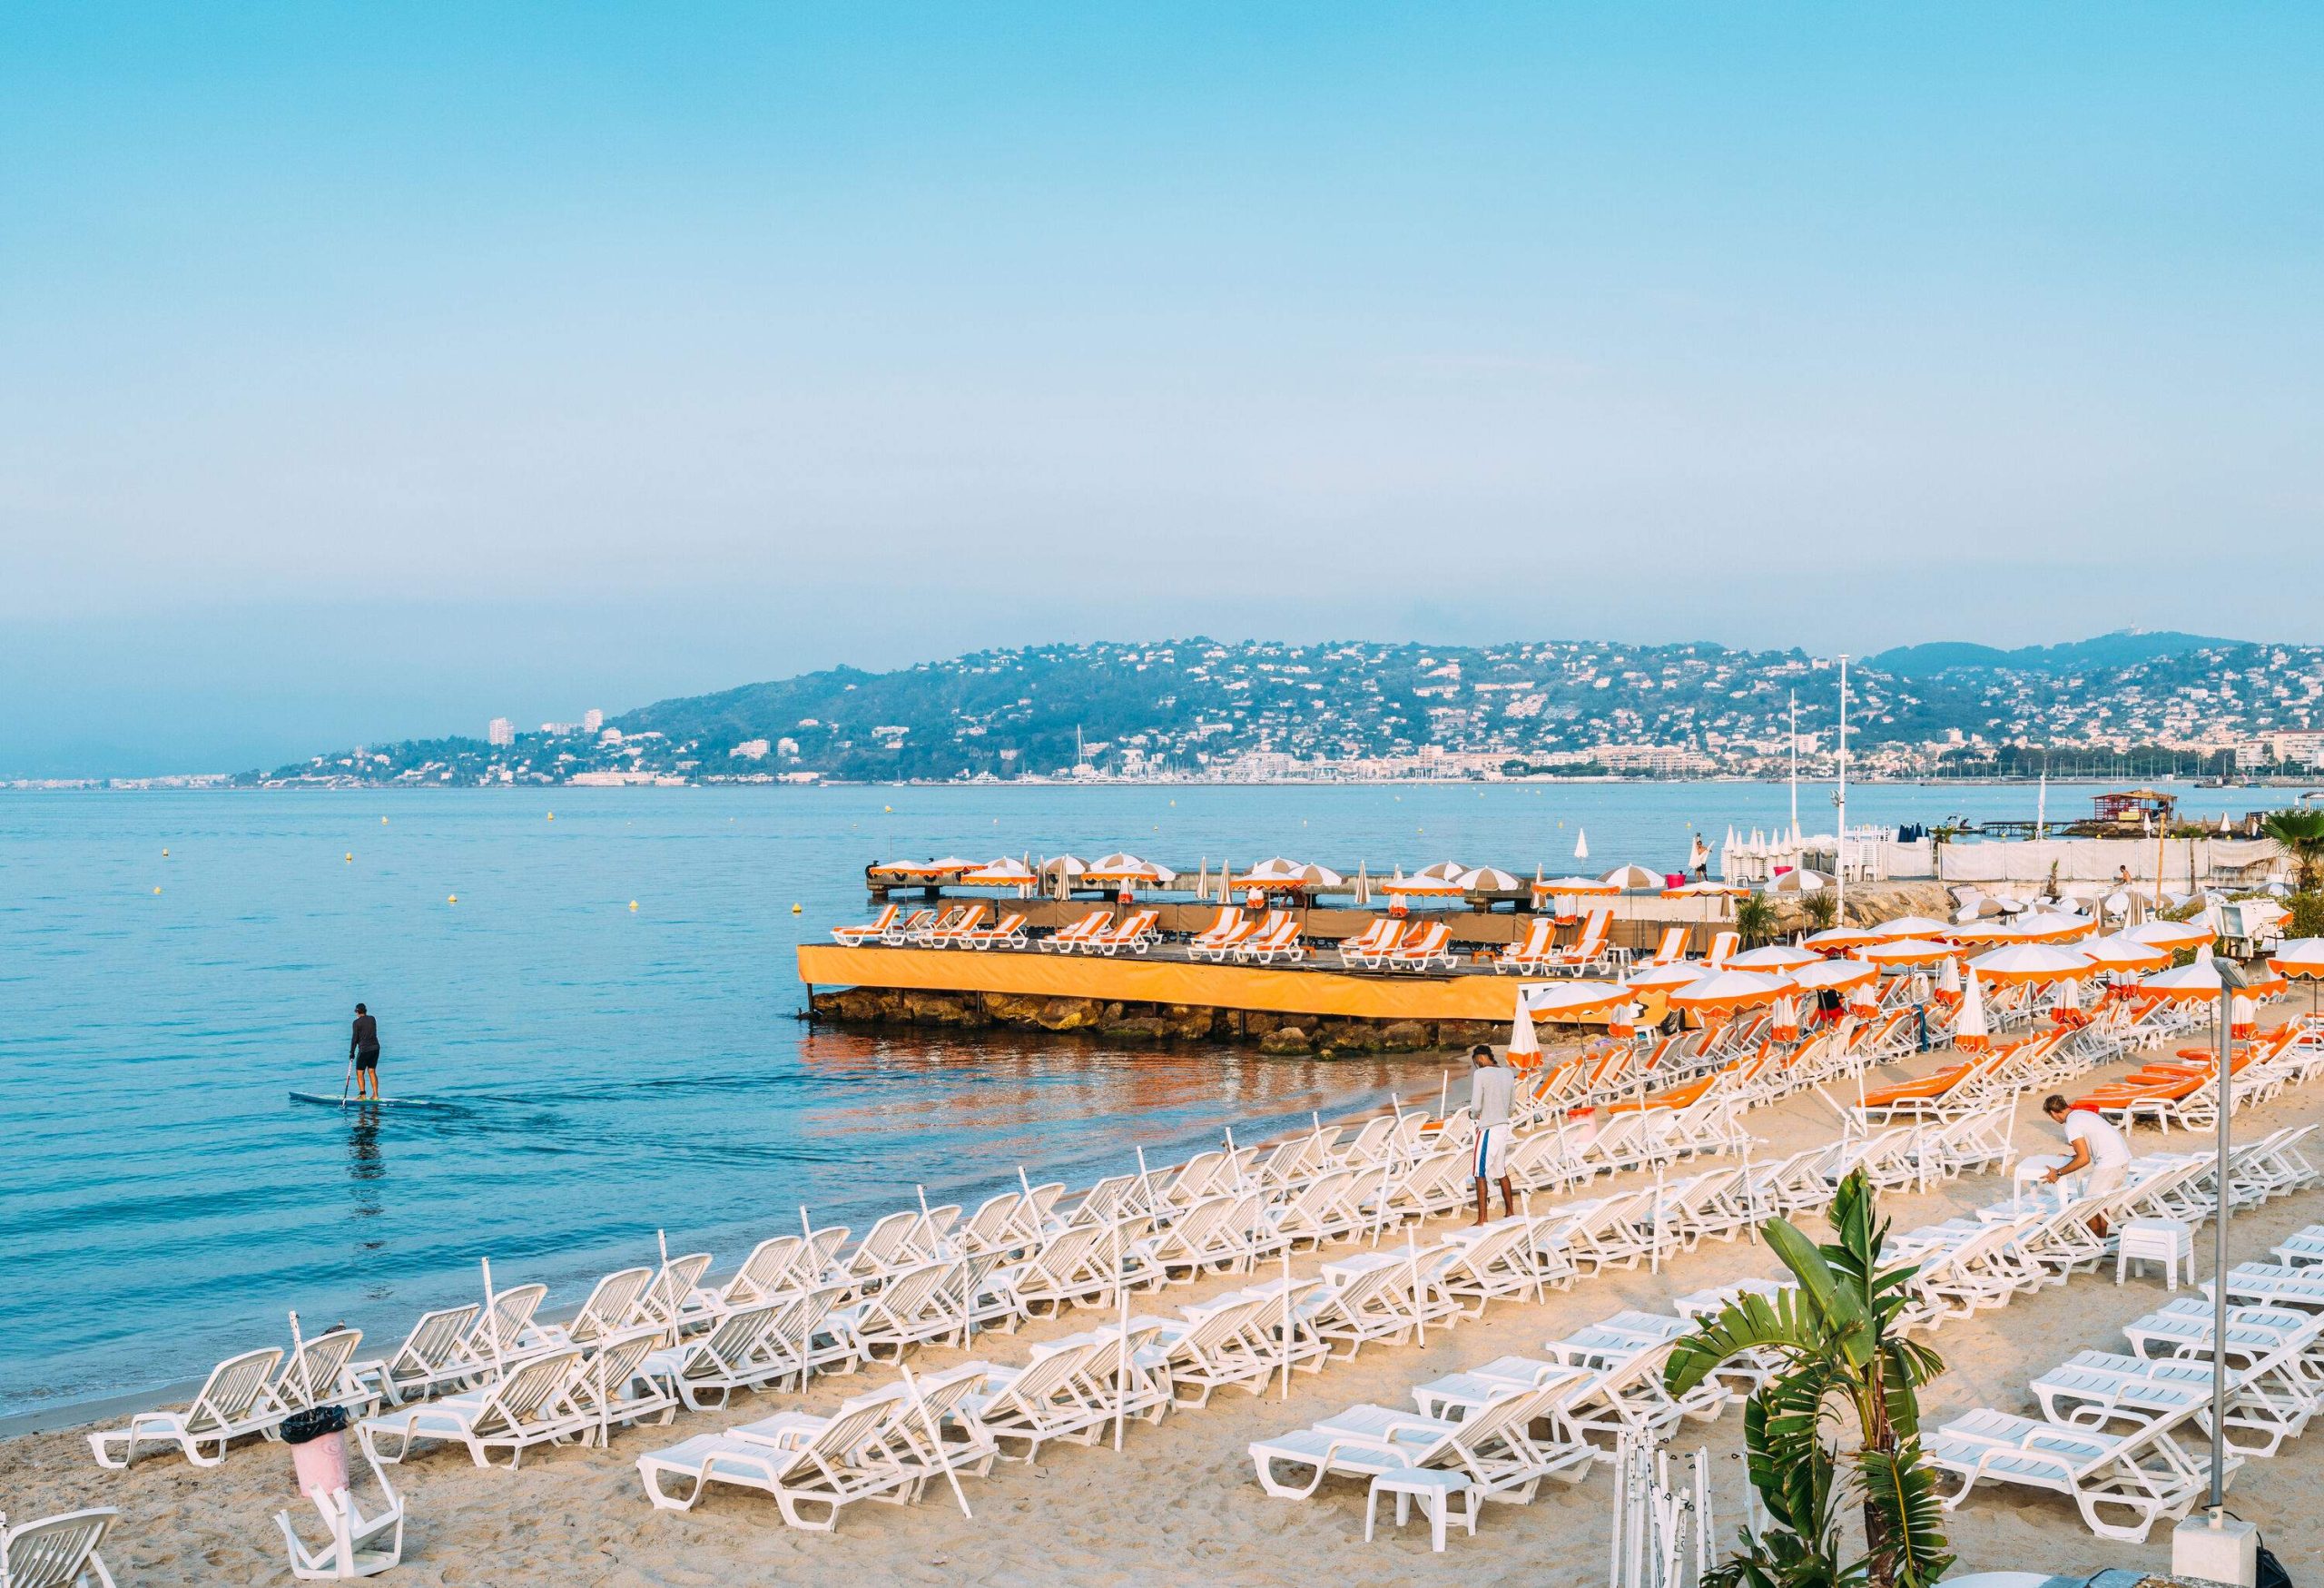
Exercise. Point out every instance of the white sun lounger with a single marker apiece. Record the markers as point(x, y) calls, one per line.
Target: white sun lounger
point(838, 1463)
point(612, 1306)
point(2144, 1471)
point(57, 1552)
point(1047, 1398)
point(707, 1370)
point(1494, 1447)
point(428, 1358)
point(534, 1404)
point(233, 1404)
point(2267, 1402)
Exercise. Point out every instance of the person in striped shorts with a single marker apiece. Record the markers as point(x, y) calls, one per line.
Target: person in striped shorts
point(1492, 1091)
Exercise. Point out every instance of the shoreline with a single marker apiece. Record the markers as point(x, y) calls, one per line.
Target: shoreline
point(1090, 1516)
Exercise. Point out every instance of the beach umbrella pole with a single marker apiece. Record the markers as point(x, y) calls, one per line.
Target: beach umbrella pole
point(492, 1321)
point(1420, 1305)
point(935, 1441)
point(298, 1356)
point(1121, 1340)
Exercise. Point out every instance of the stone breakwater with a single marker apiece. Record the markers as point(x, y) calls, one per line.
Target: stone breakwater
point(1304, 1035)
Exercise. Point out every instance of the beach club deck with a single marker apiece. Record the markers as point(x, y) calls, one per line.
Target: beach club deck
point(1165, 989)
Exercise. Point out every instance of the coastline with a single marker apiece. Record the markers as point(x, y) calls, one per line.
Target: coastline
point(1088, 1515)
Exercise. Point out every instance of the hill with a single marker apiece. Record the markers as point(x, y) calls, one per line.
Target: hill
point(2120, 649)
point(1257, 709)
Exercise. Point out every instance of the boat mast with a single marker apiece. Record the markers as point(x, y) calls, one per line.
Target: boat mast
point(1794, 766)
point(1840, 851)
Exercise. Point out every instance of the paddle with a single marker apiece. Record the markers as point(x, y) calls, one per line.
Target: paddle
point(347, 1080)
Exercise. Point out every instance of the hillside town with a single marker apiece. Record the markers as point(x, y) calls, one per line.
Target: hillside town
point(1257, 712)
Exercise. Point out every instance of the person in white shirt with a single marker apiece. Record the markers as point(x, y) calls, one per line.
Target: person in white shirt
point(2098, 1146)
point(1492, 1091)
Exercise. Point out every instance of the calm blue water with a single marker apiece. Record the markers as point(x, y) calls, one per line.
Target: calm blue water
point(162, 1203)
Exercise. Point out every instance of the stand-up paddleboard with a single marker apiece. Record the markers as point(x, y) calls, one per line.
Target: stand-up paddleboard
point(356, 1102)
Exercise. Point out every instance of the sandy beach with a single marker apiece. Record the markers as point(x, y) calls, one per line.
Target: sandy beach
point(1179, 1502)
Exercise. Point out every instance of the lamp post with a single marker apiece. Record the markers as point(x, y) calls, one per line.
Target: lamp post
point(2231, 980)
point(2215, 1546)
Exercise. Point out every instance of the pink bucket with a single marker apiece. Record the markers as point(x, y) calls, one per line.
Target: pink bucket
point(320, 1464)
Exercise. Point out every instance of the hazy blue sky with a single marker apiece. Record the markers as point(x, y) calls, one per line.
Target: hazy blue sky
point(367, 369)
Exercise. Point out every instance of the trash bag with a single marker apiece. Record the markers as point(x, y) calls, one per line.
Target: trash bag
point(313, 1422)
point(2272, 1573)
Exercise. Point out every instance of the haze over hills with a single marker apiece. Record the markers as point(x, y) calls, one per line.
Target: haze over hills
point(2119, 649)
point(1199, 708)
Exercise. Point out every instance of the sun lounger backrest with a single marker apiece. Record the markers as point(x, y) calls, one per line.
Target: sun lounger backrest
point(312, 1376)
point(233, 1387)
point(665, 1297)
point(525, 1389)
point(50, 1553)
point(1046, 1374)
point(840, 1444)
point(614, 1364)
point(612, 1304)
point(435, 1340)
point(510, 1317)
point(882, 1241)
point(767, 1269)
point(732, 1342)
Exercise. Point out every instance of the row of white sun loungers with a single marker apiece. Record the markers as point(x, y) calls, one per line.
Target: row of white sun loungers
point(1511, 1424)
point(2126, 1434)
point(917, 1276)
point(246, 1394)
point(799, 1305)
point(1247, 1336)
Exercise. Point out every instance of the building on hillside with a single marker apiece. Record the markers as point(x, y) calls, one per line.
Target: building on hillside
point(499, 731)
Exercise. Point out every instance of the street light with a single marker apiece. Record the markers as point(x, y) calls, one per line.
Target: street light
point(2216, 1546)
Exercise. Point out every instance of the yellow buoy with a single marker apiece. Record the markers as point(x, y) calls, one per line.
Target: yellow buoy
point(890, 809)
point(383, 821)
point(552, 815)
point(157, 890)
point(633, 904)
point(350, 857)
point(165, 854)
point(794, 910)
point(451, 898)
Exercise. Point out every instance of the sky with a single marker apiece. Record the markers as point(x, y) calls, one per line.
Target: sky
point(371, 371)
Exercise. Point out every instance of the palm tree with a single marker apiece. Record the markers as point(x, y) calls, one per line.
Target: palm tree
point(1837, 1335)
point(1821, 908)
point(1755, 918)
point(2301, 832)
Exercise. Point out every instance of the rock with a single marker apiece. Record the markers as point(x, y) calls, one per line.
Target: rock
point(1144, 1028)
point(1191, 1022)
point(1348, 1037)
point(1403, 1036)
point(1069, 1014)
point(1284, 1040)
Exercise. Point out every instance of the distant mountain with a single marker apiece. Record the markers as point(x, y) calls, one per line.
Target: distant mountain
point(1255, 709)
point(2120, 649)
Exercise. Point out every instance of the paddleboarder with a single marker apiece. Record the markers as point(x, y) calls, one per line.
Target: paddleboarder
point(363, 1053)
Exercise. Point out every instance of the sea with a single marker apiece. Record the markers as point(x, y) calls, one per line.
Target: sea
point(599, 989)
